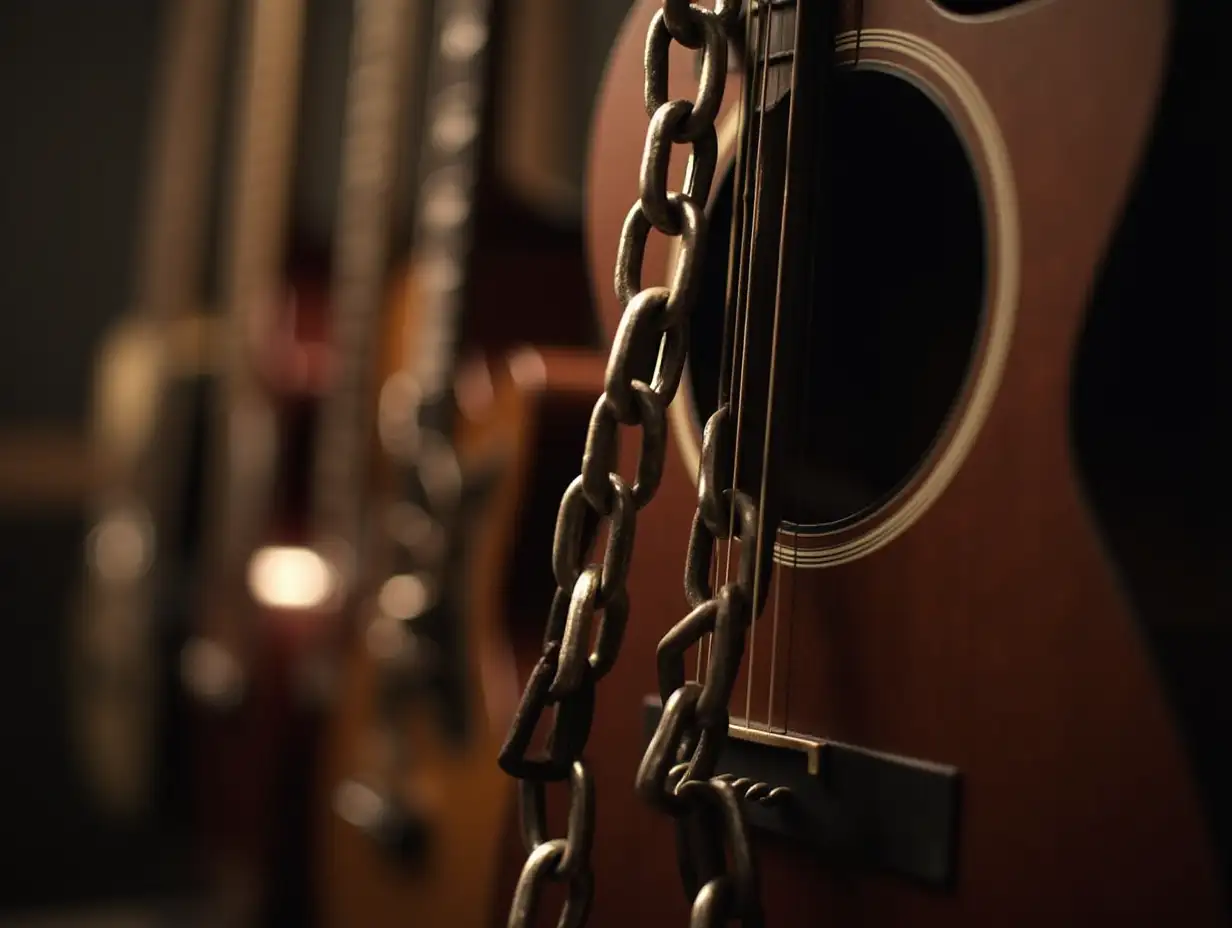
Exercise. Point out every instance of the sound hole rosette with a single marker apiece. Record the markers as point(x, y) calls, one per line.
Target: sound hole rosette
point(953, 91)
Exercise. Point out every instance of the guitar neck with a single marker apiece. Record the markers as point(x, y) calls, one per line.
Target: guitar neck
point(449, 164)
point(376, 103)
point(252, 272)
point(140, 361)
point(140, 442)
point(139, 354)
point(169, 259)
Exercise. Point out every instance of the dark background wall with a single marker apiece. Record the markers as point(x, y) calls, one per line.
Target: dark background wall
point(76, 89)
point(75, 82)
point(74, 92)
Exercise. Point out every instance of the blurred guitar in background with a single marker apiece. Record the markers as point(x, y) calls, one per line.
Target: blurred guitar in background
point(474, 433)
point(224, 666)
point(935, 659)
point(152, 373)
point(291, 471)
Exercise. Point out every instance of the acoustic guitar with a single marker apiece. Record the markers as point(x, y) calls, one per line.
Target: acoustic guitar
point(910, 676)
point(291, 472)
point(474, 438)
point(241, 719)
point(153, 371)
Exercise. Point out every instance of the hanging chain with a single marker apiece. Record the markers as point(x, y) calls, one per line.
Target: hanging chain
point(676, 773)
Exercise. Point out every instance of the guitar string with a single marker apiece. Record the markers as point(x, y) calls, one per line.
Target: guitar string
point(767, 28)
point(804, 410)
point(735, 252)
point(748, 250)
point(774, 638)
point(762, 527)
point(803, 416)
point(795, 431)
point(801, 419)
point(778, 574)
point(736, 321)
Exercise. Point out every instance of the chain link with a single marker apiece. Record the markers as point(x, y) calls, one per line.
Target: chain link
point(677, 771)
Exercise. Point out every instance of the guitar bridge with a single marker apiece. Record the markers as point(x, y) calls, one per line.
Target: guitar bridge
point(858, 807)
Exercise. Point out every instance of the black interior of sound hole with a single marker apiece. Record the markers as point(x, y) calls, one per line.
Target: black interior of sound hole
point(896, 307)
point(975, 7)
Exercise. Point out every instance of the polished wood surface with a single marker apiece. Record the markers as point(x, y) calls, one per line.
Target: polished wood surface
point(520, 414)
point(474, 289)
point(994, 633)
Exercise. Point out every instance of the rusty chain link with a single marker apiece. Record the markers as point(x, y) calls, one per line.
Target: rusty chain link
point(677, 772)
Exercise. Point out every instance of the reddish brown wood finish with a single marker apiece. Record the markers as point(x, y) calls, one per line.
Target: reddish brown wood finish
point(534, 416)
point(254, 777)
point(254, 761)
point(992, 635)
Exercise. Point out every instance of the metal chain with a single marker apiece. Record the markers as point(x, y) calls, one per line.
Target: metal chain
point(677, 771)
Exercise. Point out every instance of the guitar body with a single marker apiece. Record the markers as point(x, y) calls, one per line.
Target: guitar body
point(154, 370)
point(411, 803)
point(292, 474)
point(969, 613)
point(253, 798)
point(518, 435)
point(255, 758)
point(150, 387)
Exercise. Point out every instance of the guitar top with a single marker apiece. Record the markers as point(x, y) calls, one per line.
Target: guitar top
point(902, 679)
point(868, 576)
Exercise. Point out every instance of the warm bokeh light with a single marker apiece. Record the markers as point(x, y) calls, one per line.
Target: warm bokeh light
point(290, 578)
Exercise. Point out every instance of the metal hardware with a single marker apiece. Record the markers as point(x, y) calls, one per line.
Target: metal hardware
point(677, 771)
point(809, 747)
point(860, 807)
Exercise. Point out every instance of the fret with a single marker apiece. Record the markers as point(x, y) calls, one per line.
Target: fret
point(774, 61)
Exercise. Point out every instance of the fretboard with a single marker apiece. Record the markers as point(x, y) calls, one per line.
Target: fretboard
point(252, 278)
point(448, 167)
point(169, 259)
point(375, 109)
point(770, 52)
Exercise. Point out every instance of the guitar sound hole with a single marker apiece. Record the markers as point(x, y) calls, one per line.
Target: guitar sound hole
point(896, 307)
point(976, 7)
